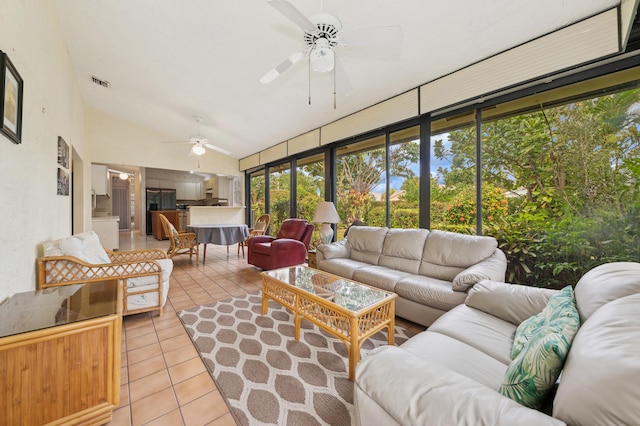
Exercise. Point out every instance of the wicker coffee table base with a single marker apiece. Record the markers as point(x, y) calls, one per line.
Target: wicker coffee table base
point(352, 328)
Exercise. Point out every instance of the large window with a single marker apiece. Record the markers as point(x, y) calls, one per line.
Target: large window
point(279, 195)
point(310, 189)
point(256, 196)
point(404, 180)
point(560, 187)
point(453, 176)
point(361, 183)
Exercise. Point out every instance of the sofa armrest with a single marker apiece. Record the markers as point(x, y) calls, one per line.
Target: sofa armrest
point(339, 249)
point(135, 255)
point(492, 268)
point(261, 239)
point(415, 391)
point(510, 302)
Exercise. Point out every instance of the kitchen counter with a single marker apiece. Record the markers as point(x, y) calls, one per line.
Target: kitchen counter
point(202, 215)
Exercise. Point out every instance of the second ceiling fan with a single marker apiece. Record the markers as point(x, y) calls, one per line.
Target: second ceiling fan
point(322, 33)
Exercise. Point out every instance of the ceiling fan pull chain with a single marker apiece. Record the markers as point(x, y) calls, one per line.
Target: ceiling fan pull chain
point(310, 76)
point(334, 82)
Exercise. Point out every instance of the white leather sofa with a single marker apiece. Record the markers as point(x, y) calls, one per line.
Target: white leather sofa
point(450, 373)
point(430, 271)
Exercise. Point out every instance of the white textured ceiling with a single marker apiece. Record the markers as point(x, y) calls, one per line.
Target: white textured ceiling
point(168, 60)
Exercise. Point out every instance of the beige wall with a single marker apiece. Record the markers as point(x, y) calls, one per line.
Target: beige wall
point(31, 210)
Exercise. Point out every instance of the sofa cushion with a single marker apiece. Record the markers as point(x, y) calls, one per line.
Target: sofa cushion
point(478, 329)
point(402, 249)
point(341, 266)
point(262, 248)
point(84, 246)
point(429, 291)
point(365, 243)
point(446, 254)
point(562, 304)
point(455, 355)
point(622, 279)
point(379, 276)
point(510, 302)
point(537, 365)
point(599, 383)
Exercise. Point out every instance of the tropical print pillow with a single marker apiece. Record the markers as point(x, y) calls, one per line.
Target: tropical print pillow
point(558, 305)
point(537, 365)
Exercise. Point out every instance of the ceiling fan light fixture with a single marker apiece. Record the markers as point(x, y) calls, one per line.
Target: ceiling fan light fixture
point(322, 58)
point(198, 149)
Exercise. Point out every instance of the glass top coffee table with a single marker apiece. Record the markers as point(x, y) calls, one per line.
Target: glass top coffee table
point(348, 310)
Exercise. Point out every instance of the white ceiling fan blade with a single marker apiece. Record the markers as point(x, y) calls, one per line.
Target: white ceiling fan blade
point(343, 85)
point(282, 67)
point(290, 11)
point(216, 148)
point(390, 36)
point(182, 142)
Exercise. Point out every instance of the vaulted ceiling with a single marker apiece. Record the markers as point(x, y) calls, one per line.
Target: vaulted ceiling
point(169, 60)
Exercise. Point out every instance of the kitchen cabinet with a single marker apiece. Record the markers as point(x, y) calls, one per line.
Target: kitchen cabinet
point(160, 183)
point(60, 355)
point(100, 180)
point(189, 191)
point(152, 183)
point(108, 230)
point(156, 225)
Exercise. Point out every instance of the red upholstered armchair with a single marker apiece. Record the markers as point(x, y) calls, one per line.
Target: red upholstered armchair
point(288, 248)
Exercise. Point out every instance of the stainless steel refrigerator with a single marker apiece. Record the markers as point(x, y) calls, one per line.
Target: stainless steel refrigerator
point(159, 199)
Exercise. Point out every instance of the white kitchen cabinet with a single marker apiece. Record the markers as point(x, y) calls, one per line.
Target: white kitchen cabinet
point(100, 179)
point(166, 184)
point(152, 183)
point(181, 191)
point(108, 230)
point(218, 187)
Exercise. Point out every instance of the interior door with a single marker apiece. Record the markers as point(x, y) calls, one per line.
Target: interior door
point(121, 202)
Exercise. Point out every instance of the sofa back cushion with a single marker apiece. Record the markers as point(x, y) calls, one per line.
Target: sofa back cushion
point(446, 254)
point(599, 383)
point(402, 249)
point(605, 283)
point(366, 242)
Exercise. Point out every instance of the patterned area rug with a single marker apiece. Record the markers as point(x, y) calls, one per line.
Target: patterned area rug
point(266, 376)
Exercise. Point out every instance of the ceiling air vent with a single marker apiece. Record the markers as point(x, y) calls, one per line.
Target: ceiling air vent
point(99, 82)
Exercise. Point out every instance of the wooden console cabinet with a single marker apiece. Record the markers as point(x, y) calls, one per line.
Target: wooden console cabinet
point(156, 225)
point(60, 355)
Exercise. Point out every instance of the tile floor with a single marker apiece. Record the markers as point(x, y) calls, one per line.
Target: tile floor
point(163, 381)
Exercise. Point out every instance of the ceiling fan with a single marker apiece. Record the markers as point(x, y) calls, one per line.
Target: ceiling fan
point(200, 142)
point(322, 33)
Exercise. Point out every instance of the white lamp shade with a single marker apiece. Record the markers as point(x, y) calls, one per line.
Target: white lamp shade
point(198, 149)
point(326, 213)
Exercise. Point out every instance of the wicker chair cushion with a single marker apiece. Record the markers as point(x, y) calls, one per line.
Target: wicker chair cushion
point(85, 246)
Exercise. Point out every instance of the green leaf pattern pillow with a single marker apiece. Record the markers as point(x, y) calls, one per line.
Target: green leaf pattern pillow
point(537, 365)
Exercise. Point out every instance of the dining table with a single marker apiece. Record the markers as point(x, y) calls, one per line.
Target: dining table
point(222, 234)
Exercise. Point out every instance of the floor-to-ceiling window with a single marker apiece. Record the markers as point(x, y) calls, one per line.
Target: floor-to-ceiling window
point(279, 195)
point(404, 178)
point(256, 196)
point(453, 174)
point(310, 189)
point(361, 183)
point(561, 186)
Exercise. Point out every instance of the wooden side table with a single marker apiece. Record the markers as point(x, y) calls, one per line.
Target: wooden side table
point(311, 259)
point(60, 355)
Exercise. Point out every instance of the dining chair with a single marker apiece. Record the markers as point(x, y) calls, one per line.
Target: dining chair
point(180, 242)
point(260, 228)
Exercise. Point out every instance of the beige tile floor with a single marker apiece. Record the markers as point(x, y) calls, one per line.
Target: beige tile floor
point(163, 381)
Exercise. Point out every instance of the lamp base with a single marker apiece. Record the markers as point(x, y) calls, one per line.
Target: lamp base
point(326, 233)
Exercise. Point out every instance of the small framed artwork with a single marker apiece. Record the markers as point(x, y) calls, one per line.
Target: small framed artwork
point(63, 182)
point(11, 88)
point(63, 153)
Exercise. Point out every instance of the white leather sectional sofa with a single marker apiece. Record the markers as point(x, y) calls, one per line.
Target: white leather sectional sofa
point(450, 374)
point(430, 271)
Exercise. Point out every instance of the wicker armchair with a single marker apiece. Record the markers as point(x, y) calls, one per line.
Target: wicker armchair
point(144, 274)
point(180, 242)
point(260, 228)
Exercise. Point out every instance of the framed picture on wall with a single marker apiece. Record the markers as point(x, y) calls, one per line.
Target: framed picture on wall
point(11, 89)
point(63, 182)
point(63, 153)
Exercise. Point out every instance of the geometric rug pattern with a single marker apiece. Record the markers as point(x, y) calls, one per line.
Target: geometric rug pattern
point(265, 375)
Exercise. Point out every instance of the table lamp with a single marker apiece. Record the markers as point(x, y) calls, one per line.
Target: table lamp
point(326, 214)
